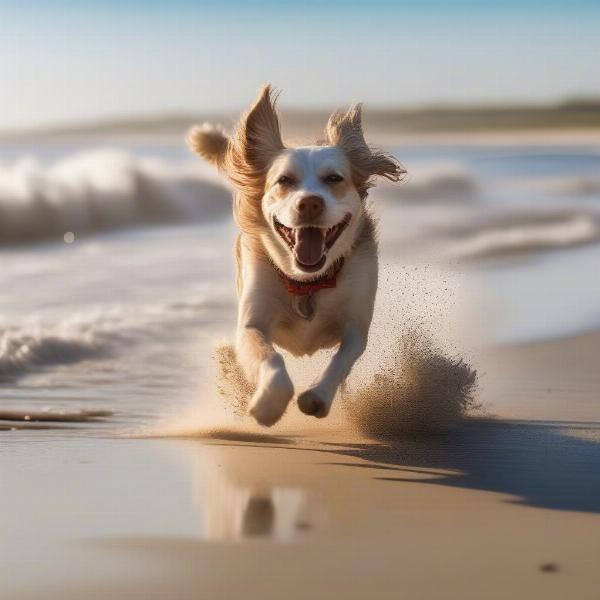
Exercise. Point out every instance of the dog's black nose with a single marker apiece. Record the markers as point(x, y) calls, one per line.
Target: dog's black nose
point(310, 207)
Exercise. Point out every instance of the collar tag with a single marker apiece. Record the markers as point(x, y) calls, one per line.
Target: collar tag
point(304, 306)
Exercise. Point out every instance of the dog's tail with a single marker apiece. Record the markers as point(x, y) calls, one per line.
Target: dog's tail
point(209, 142)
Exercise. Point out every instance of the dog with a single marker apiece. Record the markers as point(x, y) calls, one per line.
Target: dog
point(307, 251)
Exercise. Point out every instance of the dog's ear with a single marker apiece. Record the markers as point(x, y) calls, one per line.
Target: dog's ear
point(255, 143)
point(209, 142)
point(248, 153)
point(344, 130)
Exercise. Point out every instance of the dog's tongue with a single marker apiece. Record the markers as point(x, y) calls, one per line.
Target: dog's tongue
point(309, 245)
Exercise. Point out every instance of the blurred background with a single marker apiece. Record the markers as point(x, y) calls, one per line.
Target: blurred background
point(115, 241)
point(117, 282)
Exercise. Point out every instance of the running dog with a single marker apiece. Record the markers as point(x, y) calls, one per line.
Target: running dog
point(307, 251)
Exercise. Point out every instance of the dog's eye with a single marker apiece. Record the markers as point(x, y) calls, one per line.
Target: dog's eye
point(333, 178)
point(285, 180)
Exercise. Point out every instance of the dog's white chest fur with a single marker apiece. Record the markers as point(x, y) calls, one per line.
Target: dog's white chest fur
point(304, 210)
point(300, 335)
point(349, 304)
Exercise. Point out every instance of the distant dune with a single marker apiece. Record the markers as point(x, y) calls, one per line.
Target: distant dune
point(384, 121)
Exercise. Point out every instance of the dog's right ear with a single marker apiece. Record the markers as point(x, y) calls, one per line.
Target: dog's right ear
point(247, 155)
point(209, 142)
point(254, 145)
point(257, 138)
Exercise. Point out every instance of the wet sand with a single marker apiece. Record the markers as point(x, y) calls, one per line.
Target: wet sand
point(504, 504)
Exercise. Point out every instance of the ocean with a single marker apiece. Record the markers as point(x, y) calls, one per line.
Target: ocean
point(117, 276)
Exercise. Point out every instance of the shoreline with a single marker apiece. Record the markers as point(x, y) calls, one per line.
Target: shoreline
point(490, 507)
point(492, 136)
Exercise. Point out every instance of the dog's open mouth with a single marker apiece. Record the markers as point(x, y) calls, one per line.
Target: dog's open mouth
point(311, 244)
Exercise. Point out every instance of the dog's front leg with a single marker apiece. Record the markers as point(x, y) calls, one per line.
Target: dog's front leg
point(317, 400)
point(264, 367)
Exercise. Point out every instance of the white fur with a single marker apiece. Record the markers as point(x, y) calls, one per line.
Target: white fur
point(255, 158)
point(309, 164)
point(266, 319)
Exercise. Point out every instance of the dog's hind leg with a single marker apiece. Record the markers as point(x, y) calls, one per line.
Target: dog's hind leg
point(265, 368)
point(317, 400)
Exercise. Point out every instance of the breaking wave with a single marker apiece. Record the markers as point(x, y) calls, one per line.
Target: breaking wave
point(87, 336)
point(439, 182)
point(452, 182)
point(570, 186)
point(25, 351)
point(529, 235)
point(102, 189)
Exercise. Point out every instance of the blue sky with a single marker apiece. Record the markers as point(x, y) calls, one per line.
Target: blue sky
point(65, 61)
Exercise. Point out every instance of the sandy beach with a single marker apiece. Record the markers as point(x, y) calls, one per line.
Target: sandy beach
point(125, 474)
point(493, 506)
point(397, 204)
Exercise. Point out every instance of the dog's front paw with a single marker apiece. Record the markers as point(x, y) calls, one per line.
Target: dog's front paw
point(268, 405)
point(315, 403)
point(272, 396)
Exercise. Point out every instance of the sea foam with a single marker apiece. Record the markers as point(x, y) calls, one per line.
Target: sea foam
point(102, 189)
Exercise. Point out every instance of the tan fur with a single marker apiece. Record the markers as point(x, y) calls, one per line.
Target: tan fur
point(344, 130)
point(209, 142)
point(245, 156)
point(237, 256)
point(340, 189)
point(254, 158)
point(252, 148)
point(368, 234)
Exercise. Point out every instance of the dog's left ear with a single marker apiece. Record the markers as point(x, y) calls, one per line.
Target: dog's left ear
point(344, 130)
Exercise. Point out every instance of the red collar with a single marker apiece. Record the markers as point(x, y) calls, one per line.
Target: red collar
point(305, 288)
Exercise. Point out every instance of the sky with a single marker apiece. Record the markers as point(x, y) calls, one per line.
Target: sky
point(65, 61)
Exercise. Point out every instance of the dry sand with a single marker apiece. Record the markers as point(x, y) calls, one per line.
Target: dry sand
point(505, 504)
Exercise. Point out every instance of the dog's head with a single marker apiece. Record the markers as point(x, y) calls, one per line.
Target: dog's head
point(306, 204)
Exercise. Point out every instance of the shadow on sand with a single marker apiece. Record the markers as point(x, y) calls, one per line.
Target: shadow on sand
point(553, 465)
